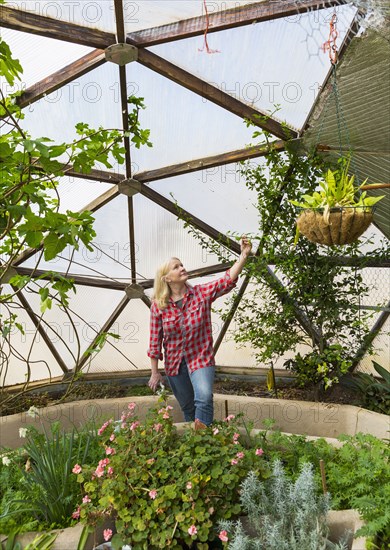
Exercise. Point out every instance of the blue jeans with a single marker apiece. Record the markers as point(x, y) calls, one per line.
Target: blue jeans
point(194, 392)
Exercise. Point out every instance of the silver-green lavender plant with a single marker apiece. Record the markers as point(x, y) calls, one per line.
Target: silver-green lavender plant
point(282, 515)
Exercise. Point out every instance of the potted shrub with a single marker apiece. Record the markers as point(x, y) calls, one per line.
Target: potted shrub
point(336, 214)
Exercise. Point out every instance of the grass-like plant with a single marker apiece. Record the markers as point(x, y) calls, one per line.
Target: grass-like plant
point(47, 490)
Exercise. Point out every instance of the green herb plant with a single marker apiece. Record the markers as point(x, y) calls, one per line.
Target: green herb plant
point(282, 515)
point(357, 475)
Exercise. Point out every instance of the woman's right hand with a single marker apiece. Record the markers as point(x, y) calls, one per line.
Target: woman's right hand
point(155, 381)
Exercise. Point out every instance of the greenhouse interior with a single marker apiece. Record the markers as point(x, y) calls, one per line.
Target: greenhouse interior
point(195, 292)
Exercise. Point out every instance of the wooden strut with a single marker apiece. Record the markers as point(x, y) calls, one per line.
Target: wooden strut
point(62, 77)
point(256, 12)
point(378, 325)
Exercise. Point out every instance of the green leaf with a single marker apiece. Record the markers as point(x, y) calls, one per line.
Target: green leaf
point(53, 245)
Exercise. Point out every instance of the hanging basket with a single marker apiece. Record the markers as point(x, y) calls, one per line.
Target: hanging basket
point(345, 225)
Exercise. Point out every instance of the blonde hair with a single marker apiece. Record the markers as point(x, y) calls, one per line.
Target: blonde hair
point(161, 289)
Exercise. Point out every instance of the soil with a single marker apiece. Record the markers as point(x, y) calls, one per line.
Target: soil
point(88, 391)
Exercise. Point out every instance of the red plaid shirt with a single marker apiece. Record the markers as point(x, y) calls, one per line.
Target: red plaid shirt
point(186, 331)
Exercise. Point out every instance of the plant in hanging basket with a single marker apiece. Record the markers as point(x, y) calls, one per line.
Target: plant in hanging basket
point(336, 214)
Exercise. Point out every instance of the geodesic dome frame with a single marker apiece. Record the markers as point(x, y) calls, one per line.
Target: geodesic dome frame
point(138, 201)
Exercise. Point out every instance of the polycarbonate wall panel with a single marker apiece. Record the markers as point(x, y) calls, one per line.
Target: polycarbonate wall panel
point(27, 345)
point(110, 257)
point(218, 196)
point(99, 14)
point(129, 352)
point(73, 333)
point(39, 56)
point(75, 194)
point(277, 62)
point(92, 99)
point(159, 235)
point(152, 13)
point(184, 126)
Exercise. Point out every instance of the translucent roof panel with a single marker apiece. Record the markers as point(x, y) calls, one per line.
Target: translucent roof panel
point(277, 62)
point(90, 99)
point(183, 125)
point(39, 56)
point(218, 196)
point(110, 255)
point(153, 13)
point(159, 235)
point(75, 193)
point(88, 310)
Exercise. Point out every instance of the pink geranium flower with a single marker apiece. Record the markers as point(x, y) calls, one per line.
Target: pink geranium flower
point(112, 437)
point(215, 431)
point(131, 406)
point(76, 513)
point(110, 470)
point(76, 469)
point(107, 534)
point(229, 418)
point(86, 499)
point(189, 485)
point(259, 452)
point(110, 451)
point(153, 494)
point(134, 425)
point(192, 530)
point(223, 536)
point(240, 455)
point(233, 462)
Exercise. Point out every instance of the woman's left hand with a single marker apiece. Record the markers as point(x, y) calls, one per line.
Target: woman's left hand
point(246, 246)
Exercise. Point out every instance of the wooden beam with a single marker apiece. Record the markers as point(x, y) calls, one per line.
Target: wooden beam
point(120, 23)
point(95, 175)
point(32, 23)
point(370, 337)
point(38, 325)
point(78, 279)
point(184, 167)
point(226, 19)
point(213, 94)
point(209, 162)
point(61, 78)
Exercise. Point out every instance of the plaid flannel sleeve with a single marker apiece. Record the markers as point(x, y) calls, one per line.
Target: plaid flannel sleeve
point(215, 289)
point(156, 333)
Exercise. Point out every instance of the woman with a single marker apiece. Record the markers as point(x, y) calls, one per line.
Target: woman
point(180, 321)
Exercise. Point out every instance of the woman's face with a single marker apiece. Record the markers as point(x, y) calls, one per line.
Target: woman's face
point(176, 273)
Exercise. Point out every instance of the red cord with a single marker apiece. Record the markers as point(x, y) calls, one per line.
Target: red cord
point(330, 45)
point(206, 44)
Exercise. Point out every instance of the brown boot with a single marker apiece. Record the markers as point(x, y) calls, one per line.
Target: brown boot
point(199, 425)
